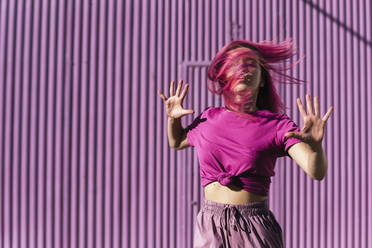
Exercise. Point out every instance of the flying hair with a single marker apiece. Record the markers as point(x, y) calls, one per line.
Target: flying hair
point(234, 63)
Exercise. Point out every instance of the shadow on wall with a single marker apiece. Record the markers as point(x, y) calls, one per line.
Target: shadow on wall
point(339, 23)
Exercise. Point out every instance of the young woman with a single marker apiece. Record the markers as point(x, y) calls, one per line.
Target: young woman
point(238, 144)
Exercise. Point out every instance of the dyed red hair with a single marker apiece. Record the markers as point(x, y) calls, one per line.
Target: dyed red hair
point(231, 65)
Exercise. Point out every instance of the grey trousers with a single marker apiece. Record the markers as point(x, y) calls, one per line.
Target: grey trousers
point(236, 225)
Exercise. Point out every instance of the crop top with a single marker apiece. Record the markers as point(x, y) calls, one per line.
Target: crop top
point(232, 149)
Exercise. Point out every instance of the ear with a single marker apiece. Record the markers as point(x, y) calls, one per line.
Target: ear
point(262, 84)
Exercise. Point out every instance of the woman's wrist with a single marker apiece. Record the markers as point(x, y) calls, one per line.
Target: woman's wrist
point(173, 118)
point(316, 147)
point(175, 131)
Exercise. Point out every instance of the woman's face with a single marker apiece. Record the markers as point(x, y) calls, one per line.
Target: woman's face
point(251, 82)
point(246, 89)
point(252, 79)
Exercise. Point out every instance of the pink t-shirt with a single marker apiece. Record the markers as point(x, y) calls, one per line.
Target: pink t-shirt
point(235, 150)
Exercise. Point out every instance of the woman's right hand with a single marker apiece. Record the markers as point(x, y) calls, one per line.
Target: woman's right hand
point(173, 104)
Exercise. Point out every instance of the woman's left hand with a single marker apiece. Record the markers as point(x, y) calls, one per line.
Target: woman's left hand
point(313, 131)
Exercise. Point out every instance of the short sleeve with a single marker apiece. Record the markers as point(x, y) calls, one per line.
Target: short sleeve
point(285, 125)
point(192, 129)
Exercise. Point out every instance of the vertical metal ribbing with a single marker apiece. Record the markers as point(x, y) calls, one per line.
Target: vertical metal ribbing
point(350, 117)
point(11, 118)
point(3, 50)
point(358, 98)
point(328, 205)
point(84, 154)
point(71, 142)
point(128, 98)
point(329, 41)
point(135, 120)
point(207, 33)
point(17, 128)
point(155, 170)
point(369, 120)
point(355, 126)
point(111, 180)
point(346, 76)
point(339, 175)
point(316, 210)
point(365, 130)
point(76, 229)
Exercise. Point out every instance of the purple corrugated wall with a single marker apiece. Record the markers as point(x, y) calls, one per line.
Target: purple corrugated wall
point(84, 157)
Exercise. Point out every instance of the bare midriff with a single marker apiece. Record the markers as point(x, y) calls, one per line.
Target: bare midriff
point(230, 194)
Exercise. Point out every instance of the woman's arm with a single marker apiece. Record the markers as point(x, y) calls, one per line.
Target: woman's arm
point(312, 161)
point(309, 154)
point(174, 110)
point(176, 134)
